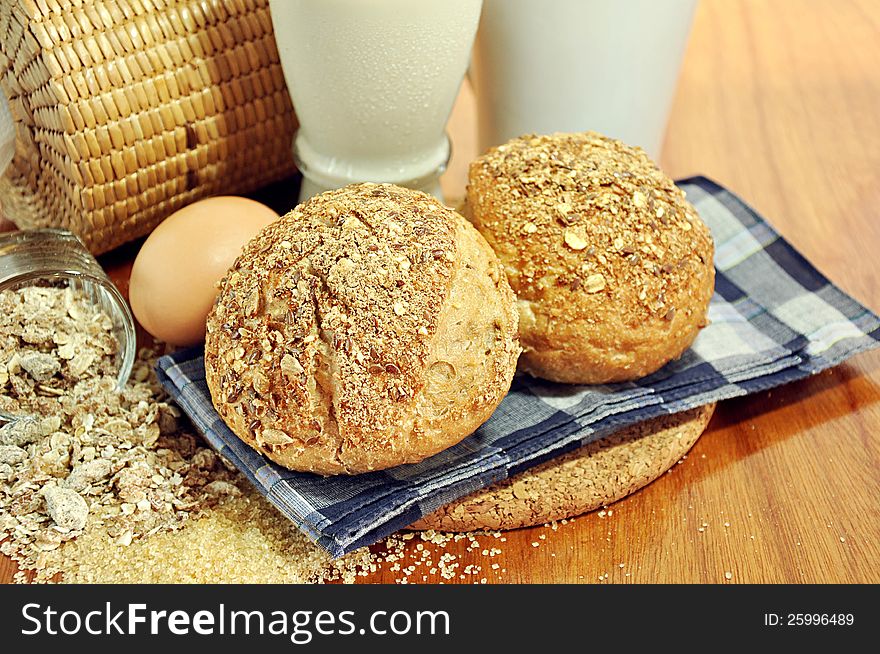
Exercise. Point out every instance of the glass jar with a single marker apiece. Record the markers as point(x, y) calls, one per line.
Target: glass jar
point(59, 257)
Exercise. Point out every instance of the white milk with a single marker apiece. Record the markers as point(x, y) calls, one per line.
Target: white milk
point(572, 65)
point(373, 82)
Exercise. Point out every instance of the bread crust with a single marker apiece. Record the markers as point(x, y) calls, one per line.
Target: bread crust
point(592, 476)
point(612, 267)
point(369, 327)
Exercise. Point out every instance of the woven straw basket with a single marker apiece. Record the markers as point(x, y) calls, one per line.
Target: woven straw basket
point(126, 110)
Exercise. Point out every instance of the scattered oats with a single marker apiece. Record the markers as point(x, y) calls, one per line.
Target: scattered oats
point(41, 367)
point(19, 433)
point(66, 507)
point(94, 456)
point(530, 228)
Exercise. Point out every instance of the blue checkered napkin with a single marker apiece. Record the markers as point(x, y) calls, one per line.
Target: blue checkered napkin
point(774, 319)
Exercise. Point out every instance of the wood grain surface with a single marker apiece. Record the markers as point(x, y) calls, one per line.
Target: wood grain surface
point(779, 100)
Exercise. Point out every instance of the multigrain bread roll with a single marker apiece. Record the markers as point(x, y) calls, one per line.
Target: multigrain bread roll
point(611, 266)
point(369, 327)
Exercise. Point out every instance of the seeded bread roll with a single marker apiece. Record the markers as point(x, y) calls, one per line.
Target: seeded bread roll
point(369, 327)
point(611, 266)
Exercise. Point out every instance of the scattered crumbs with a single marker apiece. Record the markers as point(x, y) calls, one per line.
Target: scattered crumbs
point(728, 575)
point(842, 539)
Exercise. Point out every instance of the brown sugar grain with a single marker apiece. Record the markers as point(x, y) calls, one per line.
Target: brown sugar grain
point(611, 266)
point(369, 327)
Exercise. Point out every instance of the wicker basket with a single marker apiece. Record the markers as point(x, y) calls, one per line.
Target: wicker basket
point(126, 110)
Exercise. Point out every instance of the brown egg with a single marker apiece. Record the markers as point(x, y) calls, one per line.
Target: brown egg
point(174, 277)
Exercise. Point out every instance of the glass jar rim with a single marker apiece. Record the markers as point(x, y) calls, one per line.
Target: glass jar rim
point(83, 267)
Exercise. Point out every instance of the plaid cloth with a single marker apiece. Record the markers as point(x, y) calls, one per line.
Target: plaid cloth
point(774, 319)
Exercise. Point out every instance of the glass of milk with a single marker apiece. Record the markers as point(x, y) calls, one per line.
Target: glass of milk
point(373, 83)
point(573, 65)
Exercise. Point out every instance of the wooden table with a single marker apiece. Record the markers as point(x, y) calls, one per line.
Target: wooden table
point(780, 101)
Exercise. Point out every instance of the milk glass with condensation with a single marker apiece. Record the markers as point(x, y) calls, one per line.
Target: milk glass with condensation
point(373, 83)
point(543, 66)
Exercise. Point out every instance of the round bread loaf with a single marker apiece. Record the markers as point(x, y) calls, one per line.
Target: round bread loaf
point(369, 327)
point(594, 475)
point(611, 266)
